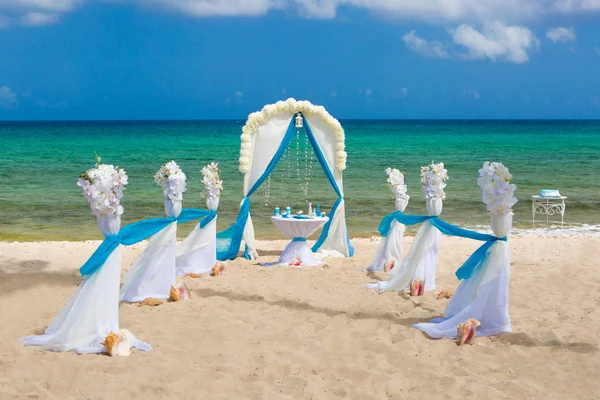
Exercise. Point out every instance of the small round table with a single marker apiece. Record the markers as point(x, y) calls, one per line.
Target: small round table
point(298, 230)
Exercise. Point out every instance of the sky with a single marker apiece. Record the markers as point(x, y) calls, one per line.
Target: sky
point(215, 59)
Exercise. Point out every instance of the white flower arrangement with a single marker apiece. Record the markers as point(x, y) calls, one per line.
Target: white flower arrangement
point(497, 191)
point(103, 188)
point(433, 178)
point(290, 105)
point(211, 181)
point(172, 179)
point(395, 182)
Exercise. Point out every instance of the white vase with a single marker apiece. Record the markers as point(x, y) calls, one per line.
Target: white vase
point(401, 204)
point(434, 206)
point(212, 203)
point(109, 224)
point(501, 224)
point(173, 208)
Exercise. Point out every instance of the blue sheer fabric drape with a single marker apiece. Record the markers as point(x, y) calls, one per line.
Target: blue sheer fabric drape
point(473, 262)
point(229, 240)
point(331, 179)
point(138, 231)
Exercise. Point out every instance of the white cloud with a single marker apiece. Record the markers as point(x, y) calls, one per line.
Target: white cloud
point(433, 49)
point(334, 94)
point(368, 92)
point(404, 91)
point(597, 50)
point(238, 94)
point(496, 41)
point(8, 98)
point(471, 93)
point(561, 34)
point(39, 19)
point(429, 11)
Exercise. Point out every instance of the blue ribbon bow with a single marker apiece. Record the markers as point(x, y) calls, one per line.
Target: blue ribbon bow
point(138, 231)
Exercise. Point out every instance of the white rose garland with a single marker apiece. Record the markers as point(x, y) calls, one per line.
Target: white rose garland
point(290, 105)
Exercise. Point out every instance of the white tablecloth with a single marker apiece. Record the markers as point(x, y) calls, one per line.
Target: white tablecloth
point(298, 249)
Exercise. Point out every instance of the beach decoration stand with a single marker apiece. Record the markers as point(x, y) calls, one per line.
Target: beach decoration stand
point(421, 262)
point(152, 275)
point(92, 313)
point(265, 137)
point(482, 297)
point(389, 252)
point(548, 203)
point(197, 254)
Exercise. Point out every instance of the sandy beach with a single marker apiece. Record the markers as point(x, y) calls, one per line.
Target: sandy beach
point(312, 333)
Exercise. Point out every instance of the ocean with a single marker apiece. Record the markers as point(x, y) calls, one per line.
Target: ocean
point(41, 161)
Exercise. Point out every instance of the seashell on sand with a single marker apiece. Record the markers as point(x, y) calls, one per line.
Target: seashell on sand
point(417, 288)
point(388, 266)
point(466, 331)
point(118, 345)
point(296, 263)
point(444, 294)
point(180, 292)
point(218, 269)
point(150, 301)
point(192, 275)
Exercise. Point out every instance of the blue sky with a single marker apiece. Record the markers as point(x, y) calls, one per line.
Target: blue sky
point(198, 59)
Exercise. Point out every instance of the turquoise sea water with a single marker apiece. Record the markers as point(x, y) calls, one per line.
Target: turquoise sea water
point(40, 164)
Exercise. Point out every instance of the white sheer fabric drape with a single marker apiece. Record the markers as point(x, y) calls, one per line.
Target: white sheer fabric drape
point(198, 252)
point(93, 311)
point(423, 254)
point(484, 296)
point(265, 143)
point(153, 273)
point(336, 243)
point(390, 247)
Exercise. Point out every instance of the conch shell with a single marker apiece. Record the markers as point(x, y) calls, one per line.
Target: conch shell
point(218, 269)
point(417, 288)
point(192, 275)
point(444, 294)
point(296, 263)
point(466, 331)
point(180, 292)
point(150, 301)
point(388, 266)
point(118, 345)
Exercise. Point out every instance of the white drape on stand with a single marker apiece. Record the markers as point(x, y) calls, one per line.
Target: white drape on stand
point(93, 311)
point(265, 143)
point(336, 243)
point(198, 252)
point(390, 247)
point(483, 296)
point(423, 254)
point(153, 273)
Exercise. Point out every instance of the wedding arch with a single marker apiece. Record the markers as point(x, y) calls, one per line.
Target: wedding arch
point(265, 137)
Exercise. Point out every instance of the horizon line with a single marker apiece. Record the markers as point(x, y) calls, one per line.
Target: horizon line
point(245, 118)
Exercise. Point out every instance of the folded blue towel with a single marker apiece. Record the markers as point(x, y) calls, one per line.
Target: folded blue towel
point(302, 217)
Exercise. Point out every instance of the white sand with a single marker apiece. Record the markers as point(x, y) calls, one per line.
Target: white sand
point(314, 333)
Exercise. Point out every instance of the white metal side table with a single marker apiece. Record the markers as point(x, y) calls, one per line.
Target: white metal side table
point(549, 207)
